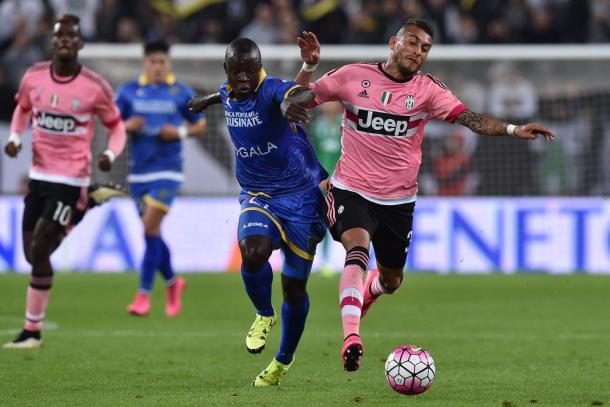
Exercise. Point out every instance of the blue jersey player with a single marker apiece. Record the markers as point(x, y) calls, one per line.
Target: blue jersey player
point(280, 200)
point(155, 111)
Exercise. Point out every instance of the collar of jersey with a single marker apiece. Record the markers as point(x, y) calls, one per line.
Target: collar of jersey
point(261, 76)
point(170, 79)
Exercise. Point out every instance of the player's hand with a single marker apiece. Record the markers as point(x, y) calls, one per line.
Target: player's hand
point(531, 131)
point(198, 104)
point(169, 133)
point(135, 123)
point(310, 47)
point(11, 149)
point(103, 162)
point(295, 112)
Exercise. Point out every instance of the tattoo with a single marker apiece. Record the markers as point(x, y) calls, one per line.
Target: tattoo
point(482, 123)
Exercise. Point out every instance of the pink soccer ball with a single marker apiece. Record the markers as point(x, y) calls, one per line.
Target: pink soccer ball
point(410, 370)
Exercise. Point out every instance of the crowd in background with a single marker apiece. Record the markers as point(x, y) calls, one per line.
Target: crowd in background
point(25, 25)
point(27, 22)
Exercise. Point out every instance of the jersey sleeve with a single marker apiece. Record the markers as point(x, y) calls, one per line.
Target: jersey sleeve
point(186, 95)
point(443, 104)
point(329, 86)
point(22, 97)
point(279, 89)
point(106, 108)
point(122, 102)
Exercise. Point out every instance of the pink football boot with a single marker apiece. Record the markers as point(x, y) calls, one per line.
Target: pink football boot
point(352, 352)
point(140, 305)
point(369, 298)
point(173, 297)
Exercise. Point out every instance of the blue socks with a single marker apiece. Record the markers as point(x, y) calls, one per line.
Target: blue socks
point(156, 257)
point(166, 263)
point(293, 324)
point(258, 286)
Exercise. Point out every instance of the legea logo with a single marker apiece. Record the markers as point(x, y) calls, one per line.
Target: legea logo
point(382, 123)
point(56, 123)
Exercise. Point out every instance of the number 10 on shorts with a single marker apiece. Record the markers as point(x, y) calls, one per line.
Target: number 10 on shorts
point(62, 213)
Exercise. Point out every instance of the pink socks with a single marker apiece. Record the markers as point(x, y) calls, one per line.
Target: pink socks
point(351, 289)
point(37, 301)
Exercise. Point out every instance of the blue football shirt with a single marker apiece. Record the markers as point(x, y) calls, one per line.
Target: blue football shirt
point(269, 156)
point(165, 103)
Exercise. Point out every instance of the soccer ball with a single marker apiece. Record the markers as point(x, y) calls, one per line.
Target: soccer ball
point(410, 370)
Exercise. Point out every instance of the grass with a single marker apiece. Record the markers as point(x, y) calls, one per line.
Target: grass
point(521, 340)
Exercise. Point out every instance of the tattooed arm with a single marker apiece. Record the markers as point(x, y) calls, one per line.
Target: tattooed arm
point(488, 125)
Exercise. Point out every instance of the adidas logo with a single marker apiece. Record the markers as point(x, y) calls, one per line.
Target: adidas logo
point(363, 94)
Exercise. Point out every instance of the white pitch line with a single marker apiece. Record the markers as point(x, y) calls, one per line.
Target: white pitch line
point(378, 335)
point(53, 326)
point(47, 325)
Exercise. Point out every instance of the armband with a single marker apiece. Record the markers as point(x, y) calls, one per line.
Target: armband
point(110, 154)
point(308, 68)
point(510, 129)
point(15, 139)
point(183, 132)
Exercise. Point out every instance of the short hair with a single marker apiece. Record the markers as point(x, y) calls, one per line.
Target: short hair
point(242, 47)
point(159, 45)
point(418, 22)
point(69, 19)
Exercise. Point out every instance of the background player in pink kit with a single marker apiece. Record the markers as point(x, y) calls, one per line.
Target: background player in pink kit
point(372, 192)
point(60, 97)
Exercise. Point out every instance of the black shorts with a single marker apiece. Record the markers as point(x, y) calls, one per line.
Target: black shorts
point(390, 226)
point(49, 200)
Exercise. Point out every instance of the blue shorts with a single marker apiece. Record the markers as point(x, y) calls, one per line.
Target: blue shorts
point(159, 194)
point(293, 223)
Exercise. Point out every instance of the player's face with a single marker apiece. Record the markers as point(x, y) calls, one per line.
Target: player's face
point(66, 41)
point(410, 51)
point(157, 66)
point(243, 75)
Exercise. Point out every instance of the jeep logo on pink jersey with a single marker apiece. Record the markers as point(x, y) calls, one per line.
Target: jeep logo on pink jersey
point(382, 123)
point(56, 122)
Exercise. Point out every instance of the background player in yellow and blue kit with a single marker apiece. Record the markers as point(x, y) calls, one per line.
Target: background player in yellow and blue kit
point(281, 202)
point(155, 109)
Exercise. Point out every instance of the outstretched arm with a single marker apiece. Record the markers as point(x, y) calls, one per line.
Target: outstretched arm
point(198, 104)
point(488, 125)
point(294, 107)
point(310, 54)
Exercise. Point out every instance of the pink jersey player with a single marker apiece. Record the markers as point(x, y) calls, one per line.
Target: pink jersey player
point(62, 110)
point(61, 98)
point(383, 127)
point(372, 192)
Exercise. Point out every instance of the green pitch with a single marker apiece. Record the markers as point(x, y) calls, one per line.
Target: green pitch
point(524, 340)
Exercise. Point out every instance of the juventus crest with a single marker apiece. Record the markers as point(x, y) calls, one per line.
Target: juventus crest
point(410, 102)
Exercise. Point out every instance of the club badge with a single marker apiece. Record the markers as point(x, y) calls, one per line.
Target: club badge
point(410, 102)
point(75, 104)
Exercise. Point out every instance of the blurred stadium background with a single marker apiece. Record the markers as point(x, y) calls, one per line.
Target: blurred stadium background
point(487, 205)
